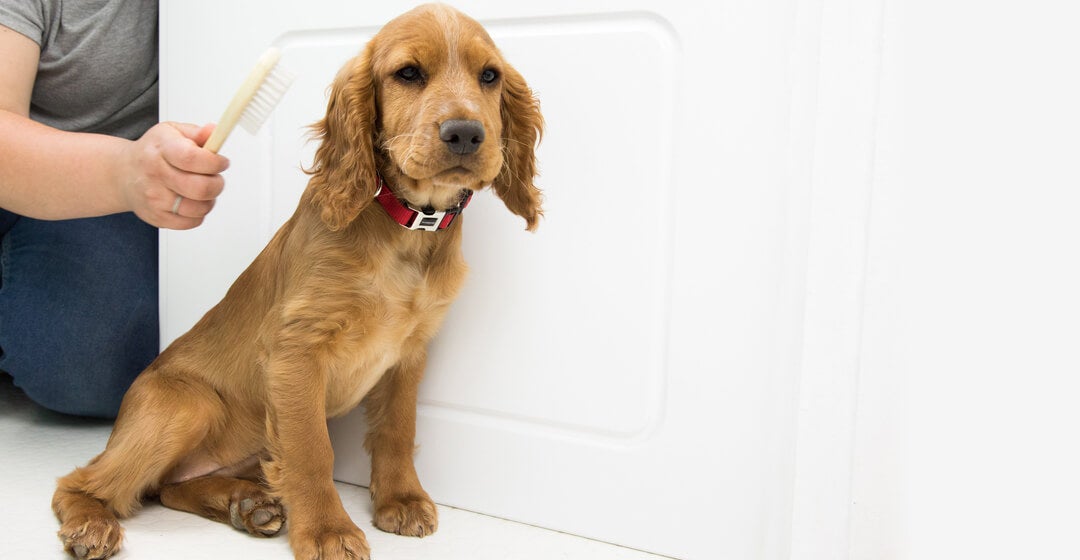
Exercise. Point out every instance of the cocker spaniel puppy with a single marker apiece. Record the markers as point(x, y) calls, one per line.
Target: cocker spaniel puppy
point(230, 421)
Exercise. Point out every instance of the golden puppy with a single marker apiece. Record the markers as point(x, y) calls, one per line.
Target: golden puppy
point(230, 421)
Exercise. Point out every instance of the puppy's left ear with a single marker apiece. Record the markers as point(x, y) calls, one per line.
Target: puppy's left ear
point(522, 127)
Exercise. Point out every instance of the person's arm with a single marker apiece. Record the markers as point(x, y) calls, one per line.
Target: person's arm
point(50, 174)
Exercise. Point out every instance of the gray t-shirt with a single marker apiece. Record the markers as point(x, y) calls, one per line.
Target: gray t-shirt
point(98, 70)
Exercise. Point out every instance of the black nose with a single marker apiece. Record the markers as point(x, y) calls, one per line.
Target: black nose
point(461, 136)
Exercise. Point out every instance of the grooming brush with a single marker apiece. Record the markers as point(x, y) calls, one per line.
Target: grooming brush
point(255, 99)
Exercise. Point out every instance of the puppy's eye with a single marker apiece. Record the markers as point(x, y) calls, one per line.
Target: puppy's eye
point(409, 74)
point(489, 76)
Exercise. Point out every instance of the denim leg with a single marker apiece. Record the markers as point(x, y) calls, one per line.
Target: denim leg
point(78, 309)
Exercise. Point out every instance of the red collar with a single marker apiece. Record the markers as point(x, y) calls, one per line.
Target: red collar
point(414, 219)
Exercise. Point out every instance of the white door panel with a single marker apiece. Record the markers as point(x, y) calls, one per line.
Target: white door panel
point(627, 372)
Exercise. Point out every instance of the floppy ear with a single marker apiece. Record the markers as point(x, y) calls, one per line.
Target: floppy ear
point(344, 176)
point(522, 127)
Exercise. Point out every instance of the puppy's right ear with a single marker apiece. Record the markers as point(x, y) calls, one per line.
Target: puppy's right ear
point(344, 177)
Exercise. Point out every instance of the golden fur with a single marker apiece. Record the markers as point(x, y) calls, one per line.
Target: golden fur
point(230, 421)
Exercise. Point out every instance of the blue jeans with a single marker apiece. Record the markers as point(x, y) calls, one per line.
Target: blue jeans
point(78, 308)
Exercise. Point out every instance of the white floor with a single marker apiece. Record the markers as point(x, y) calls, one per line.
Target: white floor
point(39, 446)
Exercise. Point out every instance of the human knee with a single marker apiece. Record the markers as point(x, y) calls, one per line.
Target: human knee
point(85, 379)
point(59, 393)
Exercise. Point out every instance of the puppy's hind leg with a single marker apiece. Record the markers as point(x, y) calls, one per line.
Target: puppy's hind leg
point(239, 502)
point(162, 419)
point(88, 529)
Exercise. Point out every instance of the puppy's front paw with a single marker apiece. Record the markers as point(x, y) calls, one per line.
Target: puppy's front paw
point(91, 538)
point(331, 543)
point(410, 515)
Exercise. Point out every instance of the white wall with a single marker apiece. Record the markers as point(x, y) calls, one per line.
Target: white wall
point(967, 431)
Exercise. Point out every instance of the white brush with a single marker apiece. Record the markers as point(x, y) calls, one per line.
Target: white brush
point(255, 99)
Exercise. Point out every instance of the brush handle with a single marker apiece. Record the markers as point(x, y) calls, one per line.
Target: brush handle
point(243, 96)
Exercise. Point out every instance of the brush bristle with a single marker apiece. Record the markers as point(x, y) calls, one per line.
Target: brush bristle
point(275, 85)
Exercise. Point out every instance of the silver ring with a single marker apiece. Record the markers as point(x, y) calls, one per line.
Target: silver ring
point(176, 205)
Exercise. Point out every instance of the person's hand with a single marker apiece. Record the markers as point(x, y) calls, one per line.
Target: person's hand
point(167, 179)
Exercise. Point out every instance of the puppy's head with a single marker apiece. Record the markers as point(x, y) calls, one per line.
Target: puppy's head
point(431, 104)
